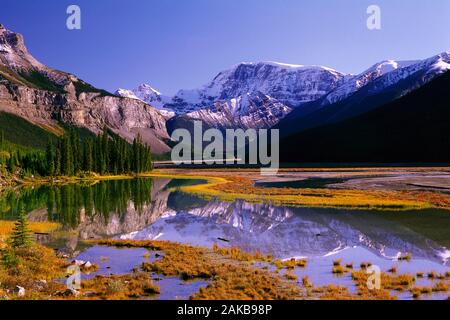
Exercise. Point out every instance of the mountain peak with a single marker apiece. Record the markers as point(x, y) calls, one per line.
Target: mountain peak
point(282, 65)
point(125, 93)
point(15, 57)
point(273, 63)
point(144, 87)
point(11, 41)
point(386, 66)
point(149, 95)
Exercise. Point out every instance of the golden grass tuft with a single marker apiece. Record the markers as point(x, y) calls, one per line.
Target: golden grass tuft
point(120, 287)
point(338, 270)
point(302, 263)
point(393, 269)
point(426, 290)
point(337, 262)
point(365, 265)
point(441, 286)
point(28, 265)
point(291, 276)
point(406, 257)
point(237, 254)
point(333, 292)
point(230, 275)
point(306, 282)
point(389, 282)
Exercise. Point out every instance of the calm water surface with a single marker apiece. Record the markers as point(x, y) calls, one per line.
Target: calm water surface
point(156, 209)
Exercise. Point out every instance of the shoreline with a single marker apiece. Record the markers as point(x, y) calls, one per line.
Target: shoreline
point(218, 266)
point(227, 273)
point(239, 184)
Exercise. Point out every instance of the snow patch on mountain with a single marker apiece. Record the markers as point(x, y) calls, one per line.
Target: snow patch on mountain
point(387, 73)
point(292, 85)
point(255, 110)
point(126, 93)
point(354, 83)
point(149, 95)
point(260, 94)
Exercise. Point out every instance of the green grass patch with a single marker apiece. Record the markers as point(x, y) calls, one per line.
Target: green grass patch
point(81, 86)
point(19, 132)
point(41, 81)
point(84, 133)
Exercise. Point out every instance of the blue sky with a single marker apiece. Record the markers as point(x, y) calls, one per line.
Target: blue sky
point(175, 44)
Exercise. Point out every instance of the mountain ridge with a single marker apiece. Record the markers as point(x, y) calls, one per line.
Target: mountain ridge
point(412, 128)
point(294, 91)
point(46, 97)
point(382, 89)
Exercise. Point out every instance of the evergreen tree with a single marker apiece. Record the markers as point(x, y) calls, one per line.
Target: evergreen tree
point(57, 161)
point(2, 140)
point(77, 155)
point(87, 155)
point(12, 162)
point(105, 153)
point(67, 165)
point(50, 159)
point(21, 236)
point(136, 158)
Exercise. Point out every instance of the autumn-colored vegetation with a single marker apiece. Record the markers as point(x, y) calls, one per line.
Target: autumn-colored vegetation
point(28, 267)
point(232, 185)
point(229, 278)
point(6, 227)
point(120, 287)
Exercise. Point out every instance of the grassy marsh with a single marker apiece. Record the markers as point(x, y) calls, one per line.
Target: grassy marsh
point(230, 186)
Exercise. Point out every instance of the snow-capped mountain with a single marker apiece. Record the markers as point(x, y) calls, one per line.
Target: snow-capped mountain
point(387, 73)
point(149, 95)
point(126, 94)
point(249, 95)
point(380, 84)
point(292, 85)
point(252, 110)
point(260, 95)
point(356, 82)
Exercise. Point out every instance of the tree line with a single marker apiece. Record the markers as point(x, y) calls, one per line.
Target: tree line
point(70, 155)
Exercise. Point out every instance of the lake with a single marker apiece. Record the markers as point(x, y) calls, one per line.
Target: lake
point(155, 209)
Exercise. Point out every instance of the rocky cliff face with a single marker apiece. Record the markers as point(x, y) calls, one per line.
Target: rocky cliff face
point(255, 110)
point(45, 96)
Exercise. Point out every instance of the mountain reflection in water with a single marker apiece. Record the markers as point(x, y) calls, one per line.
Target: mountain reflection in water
point(155, 209)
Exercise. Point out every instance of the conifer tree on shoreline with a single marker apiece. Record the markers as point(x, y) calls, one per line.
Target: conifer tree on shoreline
point(22, 235)
point(106, 153)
